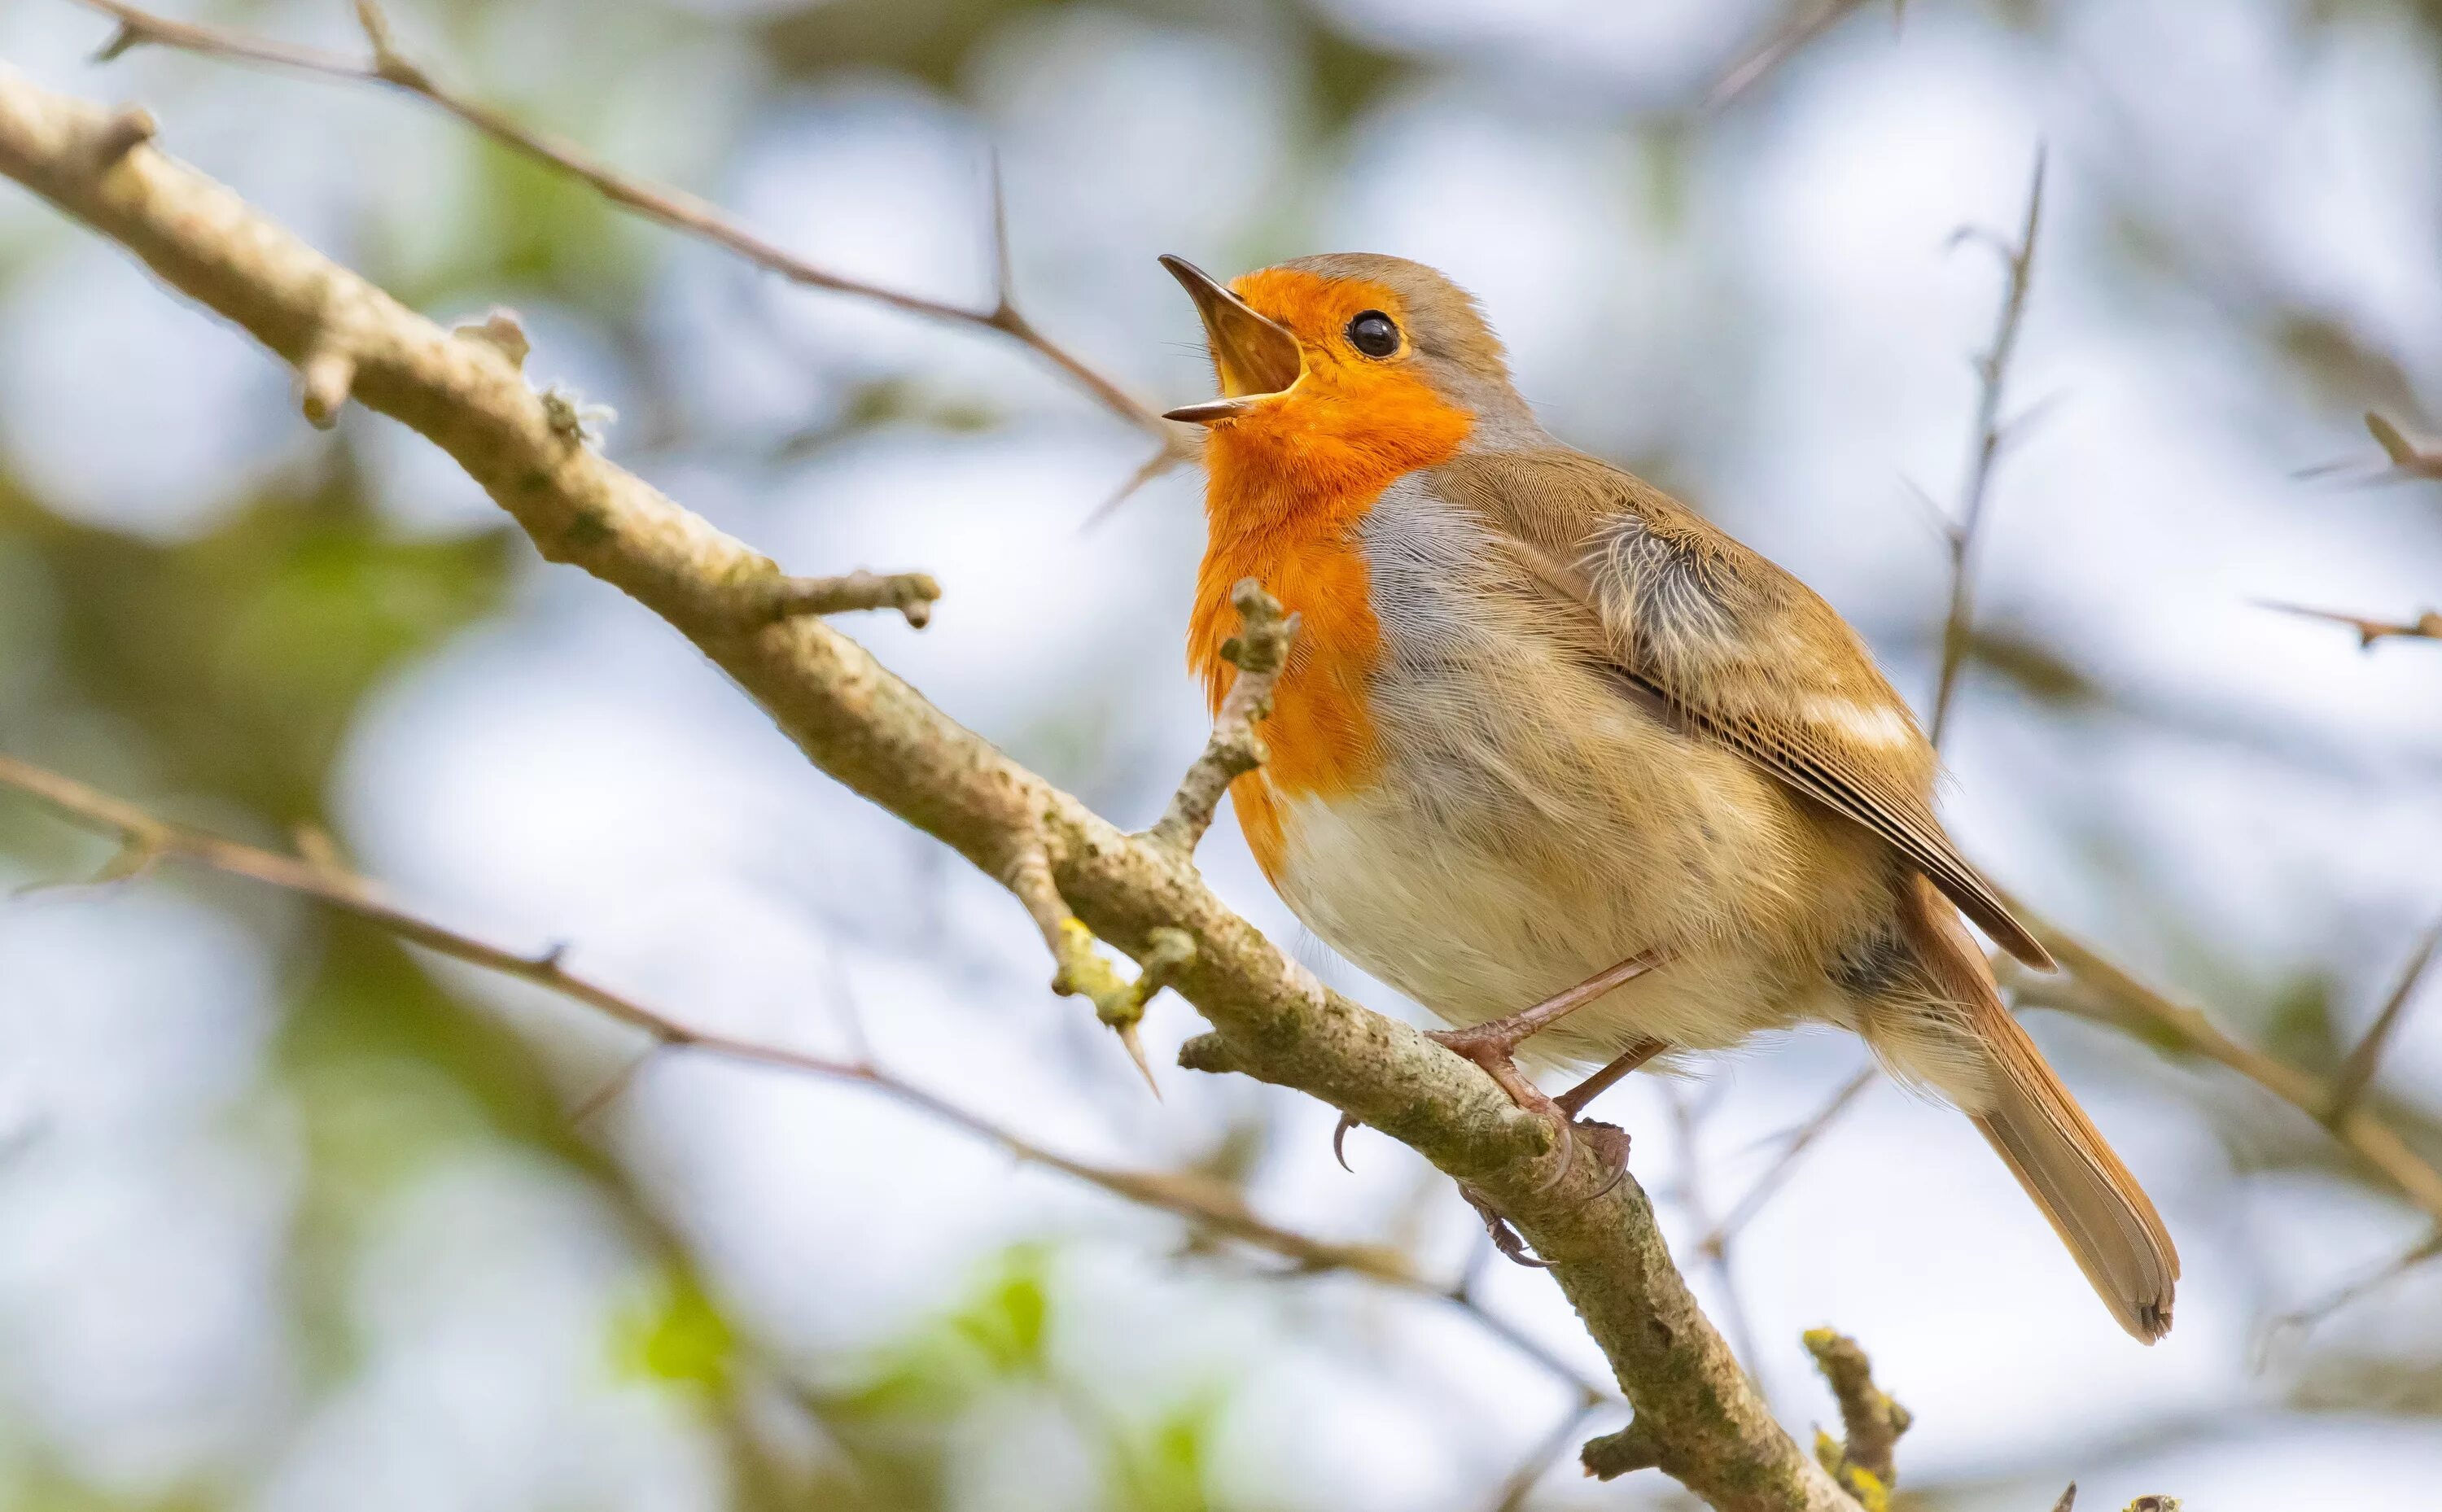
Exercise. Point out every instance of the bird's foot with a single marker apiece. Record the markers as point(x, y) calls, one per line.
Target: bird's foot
point(1504, 1238)
point(1492, 1047)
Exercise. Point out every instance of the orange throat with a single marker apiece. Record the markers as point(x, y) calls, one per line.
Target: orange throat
point(1290, 488)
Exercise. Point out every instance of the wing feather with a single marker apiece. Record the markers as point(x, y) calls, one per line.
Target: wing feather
point(1738, 650)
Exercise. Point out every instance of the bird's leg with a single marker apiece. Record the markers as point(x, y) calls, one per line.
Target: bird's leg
point(1494, 1046)
point(1609, 1139)
point(1574, 1100)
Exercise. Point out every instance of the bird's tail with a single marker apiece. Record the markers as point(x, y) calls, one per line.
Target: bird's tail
point(2056, 1153)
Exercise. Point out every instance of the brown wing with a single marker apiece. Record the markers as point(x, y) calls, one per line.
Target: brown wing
point(1740, 650)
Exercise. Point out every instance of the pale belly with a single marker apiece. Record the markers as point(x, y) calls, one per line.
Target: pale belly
point(1490, 865)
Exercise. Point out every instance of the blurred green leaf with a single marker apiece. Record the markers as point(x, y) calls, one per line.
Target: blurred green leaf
point(678, 1339)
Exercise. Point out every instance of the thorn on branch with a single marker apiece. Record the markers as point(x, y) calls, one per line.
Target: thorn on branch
point(390, 64)
point(1633, 1447)
point(136, 857)
point(128, 128)
point(1081, 970)
point(1865, 1465)
point(2403, 459)
point(324, 380)
point(1259, 652)
point(502, 331)
point(125, 40)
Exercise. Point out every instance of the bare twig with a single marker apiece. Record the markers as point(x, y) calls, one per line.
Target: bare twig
point(1715, 1243)
point(2425, 627)
point(1865, 1460)
point(1541, 1457)
point(874, 732)
point(1993, 369)
point(671, 208)
point(1259, 652)
point(2373, 1281)
point(1819, 17)
point(1686, 1120)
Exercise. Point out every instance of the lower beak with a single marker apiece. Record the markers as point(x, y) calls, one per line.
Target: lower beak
point(1255, 358)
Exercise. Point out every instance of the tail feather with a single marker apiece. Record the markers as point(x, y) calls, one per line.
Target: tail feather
point(2050, 1145)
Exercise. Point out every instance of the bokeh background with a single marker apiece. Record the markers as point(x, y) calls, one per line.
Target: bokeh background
point(292, 1219)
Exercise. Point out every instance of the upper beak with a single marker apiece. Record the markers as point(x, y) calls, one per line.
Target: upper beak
point(1256, 357)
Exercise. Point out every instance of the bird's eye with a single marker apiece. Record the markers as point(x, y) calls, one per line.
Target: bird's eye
point(1374, 334)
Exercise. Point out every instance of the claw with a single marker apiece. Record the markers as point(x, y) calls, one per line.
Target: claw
point(1504, 1238)
point(1339, 1142)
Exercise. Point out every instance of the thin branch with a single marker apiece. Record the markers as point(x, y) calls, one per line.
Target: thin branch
point(1540, 1458)
point(1271, 1019)
point(2391, 1270)
point(2096, 988)
point(1819, 17)
point(2358, 1069)
point(1685, 1123)
point(2426, 627)
point(672, 208)
point(1207, 1203)
point(1993, 370)
point(1260, 651)
point(1716, 1243)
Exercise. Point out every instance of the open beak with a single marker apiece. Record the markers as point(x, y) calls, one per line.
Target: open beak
point(1256, 357)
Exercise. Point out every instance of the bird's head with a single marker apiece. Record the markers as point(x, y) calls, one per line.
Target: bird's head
point(1375, 353)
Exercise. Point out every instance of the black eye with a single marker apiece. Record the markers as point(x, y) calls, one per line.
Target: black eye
point(1374, 334)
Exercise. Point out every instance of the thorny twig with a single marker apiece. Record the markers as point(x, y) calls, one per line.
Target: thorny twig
point(1992, 434)
point(1260, 651)
point(672, 208)
point(2425, 627)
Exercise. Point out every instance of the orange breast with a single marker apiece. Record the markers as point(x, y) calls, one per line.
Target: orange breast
point(1288, 494)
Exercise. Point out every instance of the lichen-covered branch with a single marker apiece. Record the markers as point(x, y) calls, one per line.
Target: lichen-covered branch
point(1864, 1460)
point(872, 732)
point(1259, 652)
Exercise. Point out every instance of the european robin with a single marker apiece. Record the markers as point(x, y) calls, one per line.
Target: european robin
point(1557, 758)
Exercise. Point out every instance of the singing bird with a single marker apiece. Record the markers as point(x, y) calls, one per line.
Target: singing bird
point(1557, 758)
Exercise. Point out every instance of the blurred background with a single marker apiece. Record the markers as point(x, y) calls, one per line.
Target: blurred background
point(292, 1218)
